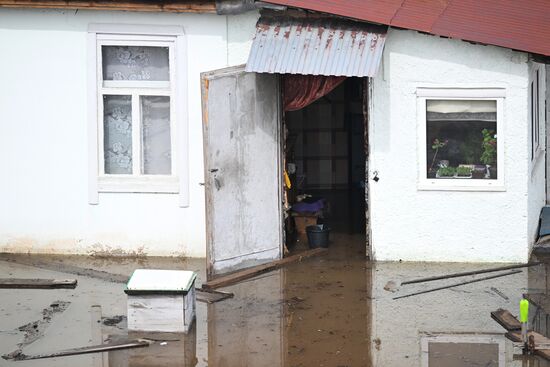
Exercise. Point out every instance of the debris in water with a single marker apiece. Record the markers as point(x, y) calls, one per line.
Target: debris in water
point(35, 330)
point(113, 321)
point(459, 284)
point(391, 286)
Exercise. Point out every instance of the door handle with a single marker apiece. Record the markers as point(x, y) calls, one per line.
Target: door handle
point(214, 170)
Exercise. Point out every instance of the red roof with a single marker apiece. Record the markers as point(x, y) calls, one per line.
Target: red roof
point(516, 24)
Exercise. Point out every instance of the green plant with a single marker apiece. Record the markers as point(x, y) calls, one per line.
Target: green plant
point(489, 146)
point(446, 171)
point(436, 145)
point(463, 171)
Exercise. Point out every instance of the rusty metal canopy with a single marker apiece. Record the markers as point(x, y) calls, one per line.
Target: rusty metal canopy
point(519, 25)
point(316, 46)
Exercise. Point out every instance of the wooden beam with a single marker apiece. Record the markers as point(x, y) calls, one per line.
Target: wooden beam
point(260, 269)
point(127, 344)
point(7, 283)
point(512, 324)
point(147, 6)
point(506, 320)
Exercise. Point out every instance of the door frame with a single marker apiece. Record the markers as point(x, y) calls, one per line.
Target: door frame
point(205, 78)
point(366, 108)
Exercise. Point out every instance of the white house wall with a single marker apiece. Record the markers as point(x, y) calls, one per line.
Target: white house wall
point(43, 138)
point(408, 224)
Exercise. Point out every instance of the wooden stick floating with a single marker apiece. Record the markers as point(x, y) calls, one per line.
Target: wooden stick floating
point(466, 273)
point(459, 284)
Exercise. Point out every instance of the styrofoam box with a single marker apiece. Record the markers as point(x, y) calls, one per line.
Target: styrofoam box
point(161, 300)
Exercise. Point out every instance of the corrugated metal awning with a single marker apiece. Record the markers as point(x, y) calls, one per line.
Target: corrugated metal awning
point(316, 46)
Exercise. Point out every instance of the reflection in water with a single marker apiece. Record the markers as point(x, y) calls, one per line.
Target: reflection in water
point(315, 313)
point(175, 350)
point(326, 311)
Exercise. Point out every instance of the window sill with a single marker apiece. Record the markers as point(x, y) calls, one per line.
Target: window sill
point(433, 185)
point(139, 184)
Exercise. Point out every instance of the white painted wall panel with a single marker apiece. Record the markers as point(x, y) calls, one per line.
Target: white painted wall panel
point(43, 139)
point(537, 169)
point(413, 225)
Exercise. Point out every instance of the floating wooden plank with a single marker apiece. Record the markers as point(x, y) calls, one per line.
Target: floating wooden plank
point(515, 336)
point(127, 344)
point(506, 320)
point(512, 324)
point(8, 283)
point(260, 269)
point(459, 284)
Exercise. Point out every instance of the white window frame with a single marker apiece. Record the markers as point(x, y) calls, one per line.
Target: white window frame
point(425, 94)
point(172, 37)
point(473, 338)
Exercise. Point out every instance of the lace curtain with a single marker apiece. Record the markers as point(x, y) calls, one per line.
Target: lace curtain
point(135, 63)
point(155, 135)
point(117, 119)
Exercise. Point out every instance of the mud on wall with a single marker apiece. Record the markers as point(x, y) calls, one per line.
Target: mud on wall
point(43, 138)
point(415, 225)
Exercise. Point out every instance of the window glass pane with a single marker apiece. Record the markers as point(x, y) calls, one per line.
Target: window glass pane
point(155, 135)
point(462, 139)
point(117, 134)
point(135, 63)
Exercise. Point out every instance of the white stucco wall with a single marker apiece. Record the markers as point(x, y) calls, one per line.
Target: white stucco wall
point(43, 137)
point(408, 224)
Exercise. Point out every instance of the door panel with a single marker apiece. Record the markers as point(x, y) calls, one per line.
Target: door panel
point(242, 169)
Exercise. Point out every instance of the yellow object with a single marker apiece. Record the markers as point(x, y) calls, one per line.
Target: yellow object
point(288, 184)
point(523, 310)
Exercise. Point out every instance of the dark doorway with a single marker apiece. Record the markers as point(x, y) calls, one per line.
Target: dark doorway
point(326, 160)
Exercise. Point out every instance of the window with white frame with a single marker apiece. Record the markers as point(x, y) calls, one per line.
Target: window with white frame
point(460, 146)
point(140, 129)
point(135, 100)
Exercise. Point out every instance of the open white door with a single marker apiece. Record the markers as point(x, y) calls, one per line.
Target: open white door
point(242, 169)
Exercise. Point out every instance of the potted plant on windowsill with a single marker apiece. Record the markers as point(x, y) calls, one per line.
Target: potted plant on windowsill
point(446, 172)
point(463, 172)
point(436, 146)
point(489, 154)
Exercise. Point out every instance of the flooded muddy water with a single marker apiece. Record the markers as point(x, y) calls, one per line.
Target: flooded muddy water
point(330, 310)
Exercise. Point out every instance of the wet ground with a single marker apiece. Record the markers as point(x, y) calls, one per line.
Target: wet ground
point(331, 310)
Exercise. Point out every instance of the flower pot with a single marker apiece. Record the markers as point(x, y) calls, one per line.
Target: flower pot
point(479, 172)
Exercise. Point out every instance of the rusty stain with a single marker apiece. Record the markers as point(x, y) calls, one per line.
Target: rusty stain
point(373, 42)
point(310, 46)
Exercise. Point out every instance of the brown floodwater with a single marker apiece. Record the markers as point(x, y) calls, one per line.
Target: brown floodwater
point(330, 310)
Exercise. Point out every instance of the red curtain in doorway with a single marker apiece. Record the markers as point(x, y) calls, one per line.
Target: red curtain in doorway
point(301, 90)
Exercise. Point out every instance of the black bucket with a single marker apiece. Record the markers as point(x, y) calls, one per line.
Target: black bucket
point(317, 236)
